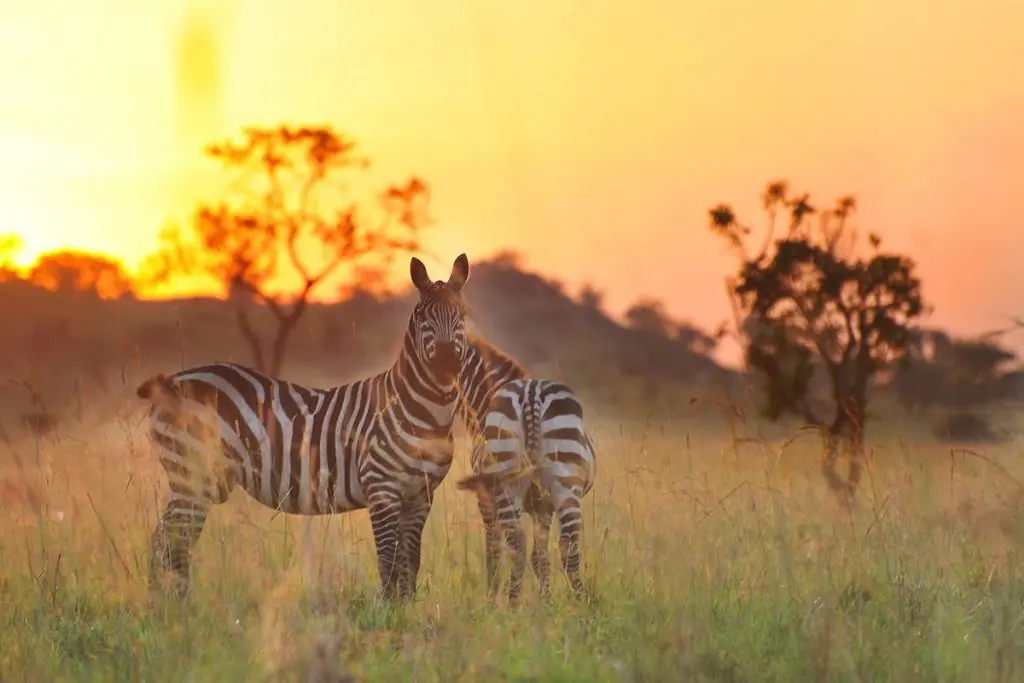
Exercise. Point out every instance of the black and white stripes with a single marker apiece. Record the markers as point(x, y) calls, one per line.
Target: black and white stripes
point(530, 454)
point(383, 443)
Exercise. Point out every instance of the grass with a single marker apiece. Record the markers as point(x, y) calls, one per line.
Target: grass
point(711, 559)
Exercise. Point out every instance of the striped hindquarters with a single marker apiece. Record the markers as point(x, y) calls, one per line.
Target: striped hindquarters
point(541, 421)
point(534, 457)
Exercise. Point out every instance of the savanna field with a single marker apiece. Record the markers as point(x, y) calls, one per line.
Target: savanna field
point(323, 190)
point(714, 551)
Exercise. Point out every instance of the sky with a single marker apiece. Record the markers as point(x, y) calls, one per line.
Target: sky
point(590, 137)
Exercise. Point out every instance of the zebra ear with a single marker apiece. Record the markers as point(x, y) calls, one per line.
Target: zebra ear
point(460, 273)
point(418, 273)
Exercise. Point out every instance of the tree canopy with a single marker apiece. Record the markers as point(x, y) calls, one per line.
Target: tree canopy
point(959, 376)
point(9, 246)
point(294, 210)
point(75, 271)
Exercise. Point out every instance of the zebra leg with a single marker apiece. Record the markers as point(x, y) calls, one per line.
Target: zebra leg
point(385, 516)
point(492, 550)
point(570, 526)
point(486, 490)
point(511, 524)
point(485, 502)
point(414, 517)
point(539, 558)
point(174, 538)
point(181, 523)
point(515, 538)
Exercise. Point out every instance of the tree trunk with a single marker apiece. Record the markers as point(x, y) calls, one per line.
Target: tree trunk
point(251, 338)
point(277, 350)
point(847, 433)
point(286, 323)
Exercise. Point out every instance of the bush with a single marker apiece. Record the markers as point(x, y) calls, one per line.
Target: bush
point(967, 427)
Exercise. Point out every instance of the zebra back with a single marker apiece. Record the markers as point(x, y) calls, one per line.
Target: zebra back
point(485, 370)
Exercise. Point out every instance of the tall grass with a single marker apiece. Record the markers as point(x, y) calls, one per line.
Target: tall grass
point(711, 558)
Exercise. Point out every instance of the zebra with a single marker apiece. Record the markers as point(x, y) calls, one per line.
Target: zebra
point(384, 443)
point(503, 409)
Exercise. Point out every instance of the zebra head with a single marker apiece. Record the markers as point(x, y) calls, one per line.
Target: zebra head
point(438, 321)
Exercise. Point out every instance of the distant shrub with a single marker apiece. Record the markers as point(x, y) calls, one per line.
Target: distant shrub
point(967, 427)
point(40, 423)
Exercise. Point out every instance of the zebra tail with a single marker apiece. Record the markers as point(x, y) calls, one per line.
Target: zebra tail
point(488, 481)
point(160, 390)
point(531, 431)
point(476, 482)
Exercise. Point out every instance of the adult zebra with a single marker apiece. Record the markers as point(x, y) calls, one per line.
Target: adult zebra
point(383, 443)
point(509, 414)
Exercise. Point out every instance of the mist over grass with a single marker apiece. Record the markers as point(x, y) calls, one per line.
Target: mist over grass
point(712, 545)
point(713, 548)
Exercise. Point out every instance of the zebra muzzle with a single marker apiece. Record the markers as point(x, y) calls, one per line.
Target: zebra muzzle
point(445, 363)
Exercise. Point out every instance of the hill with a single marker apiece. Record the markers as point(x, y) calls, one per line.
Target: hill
point(71, 353)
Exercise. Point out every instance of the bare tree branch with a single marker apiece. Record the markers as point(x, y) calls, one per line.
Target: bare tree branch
point(242, 243)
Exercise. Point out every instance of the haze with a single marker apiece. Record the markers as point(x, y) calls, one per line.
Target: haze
point(591, 137)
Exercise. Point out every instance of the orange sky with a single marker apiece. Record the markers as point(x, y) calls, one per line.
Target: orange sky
point(590, 136)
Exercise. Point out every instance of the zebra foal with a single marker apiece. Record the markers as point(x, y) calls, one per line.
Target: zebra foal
point(383, 443)
point(511, 415)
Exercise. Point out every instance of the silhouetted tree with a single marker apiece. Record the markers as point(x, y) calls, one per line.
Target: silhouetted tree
point(9, 246)
point(366, 280)
point(695, 339)
point(294, 210)
point(807, 300)
point(591, 298)
point(962, 375)
point(956, 373)
point(75, 271)
point(506, 259)
point(922, 381)
point(648, 315)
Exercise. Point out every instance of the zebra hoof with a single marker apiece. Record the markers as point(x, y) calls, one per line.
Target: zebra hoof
point(586, 596)
point(392, 597)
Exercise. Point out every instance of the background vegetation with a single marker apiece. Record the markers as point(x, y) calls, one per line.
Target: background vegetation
point(715, 547)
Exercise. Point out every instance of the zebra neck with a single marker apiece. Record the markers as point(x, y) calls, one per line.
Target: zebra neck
point(410, 372)
point(485, 371)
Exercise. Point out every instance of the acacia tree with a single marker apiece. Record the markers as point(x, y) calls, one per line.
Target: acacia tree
point(590, 298)
point(75, 271)
point(961, 376)
point(292, 209)
point(9, 246)
point(648, 315)
point(811, 303)
point(959, 373)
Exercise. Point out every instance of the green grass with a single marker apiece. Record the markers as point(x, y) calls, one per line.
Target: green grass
point(709, 561)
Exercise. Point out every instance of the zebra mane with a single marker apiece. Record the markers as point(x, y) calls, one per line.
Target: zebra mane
point(491, 353)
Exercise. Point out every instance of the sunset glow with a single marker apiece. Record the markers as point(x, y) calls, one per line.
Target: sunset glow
point(590, 138)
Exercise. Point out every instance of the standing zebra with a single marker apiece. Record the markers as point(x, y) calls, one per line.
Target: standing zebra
point(508, 413)
point(383, 443)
